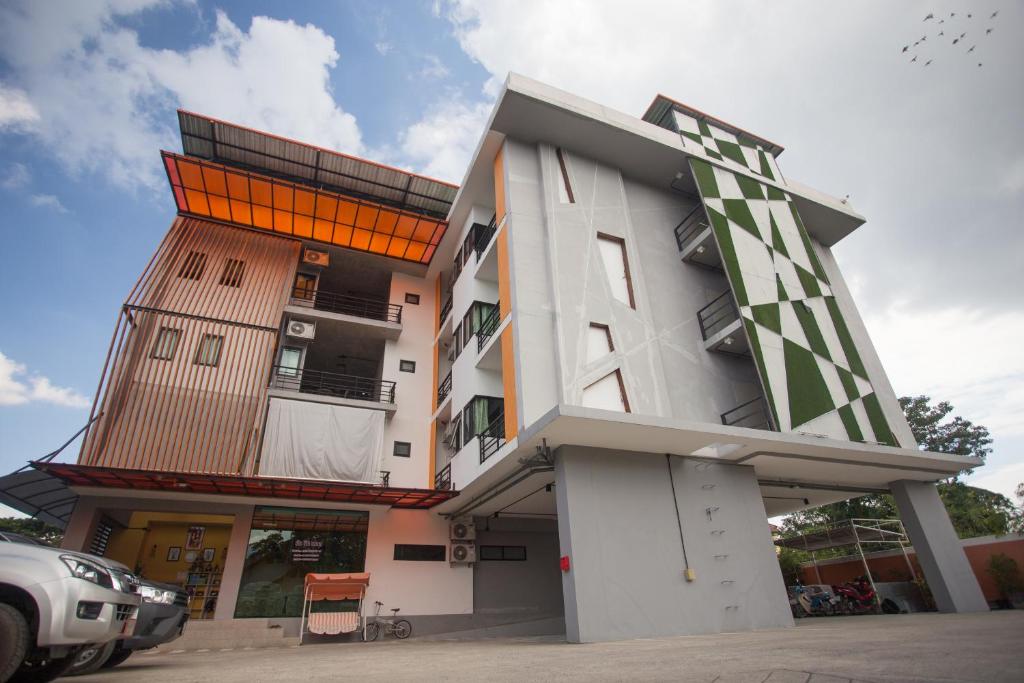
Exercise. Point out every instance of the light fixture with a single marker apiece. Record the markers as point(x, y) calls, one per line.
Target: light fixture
point(727, 341)
point(700, 249)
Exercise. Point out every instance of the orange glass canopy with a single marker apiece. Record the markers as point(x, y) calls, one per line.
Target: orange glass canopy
point(211, 190)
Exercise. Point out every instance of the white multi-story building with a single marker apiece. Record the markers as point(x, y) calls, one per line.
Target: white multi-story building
point(615, 350)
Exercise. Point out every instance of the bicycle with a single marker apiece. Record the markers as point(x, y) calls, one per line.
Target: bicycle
point(400, 628)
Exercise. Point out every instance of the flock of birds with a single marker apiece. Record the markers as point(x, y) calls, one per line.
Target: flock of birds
point(957, 39)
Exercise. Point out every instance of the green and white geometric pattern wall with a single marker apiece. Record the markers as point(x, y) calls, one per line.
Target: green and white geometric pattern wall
point(813, 376)
point(738, 151)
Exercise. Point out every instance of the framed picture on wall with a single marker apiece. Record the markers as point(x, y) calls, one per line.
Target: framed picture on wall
point(191, 555)
point(194, 538)
point(209, 554)
point(174, 553)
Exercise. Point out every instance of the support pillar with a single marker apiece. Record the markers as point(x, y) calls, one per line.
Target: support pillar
point(234, 563)
point(939, 552)
point(81, 525)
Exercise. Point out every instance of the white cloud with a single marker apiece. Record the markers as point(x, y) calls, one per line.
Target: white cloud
point(1013, 179)
point(17, 177)
point(16, 110)
point(433, 68)
point(17, 387)
point(47, 201)
point(383, 47)
point(1001, 479)
point(102, 100)
point(968, 357)
point(441, 143)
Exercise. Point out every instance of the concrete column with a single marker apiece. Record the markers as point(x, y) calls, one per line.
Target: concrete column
point(81, 525)
point(949, 574)
point(231, 579)
point(617, 524)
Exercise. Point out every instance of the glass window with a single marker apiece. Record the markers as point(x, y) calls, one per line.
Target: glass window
point(420, 553)
point(616, 268)
point(193, 266)
point(403, 449)
point(407, 366)
point(285, 544)
point(479, 414)
point(232, 275)
point(291, 359)
point(209, 350)
point(166, 343)
point(412, 298)
point(507, 553)
point(305, 286)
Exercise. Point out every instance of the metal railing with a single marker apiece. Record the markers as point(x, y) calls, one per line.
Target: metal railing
point(492, 438)
point(484, 233)
point(690, 227)
point(349, 305)
point(443, 479)
point(446, 309)
point(335, 384)
point(385, 478)
point(445, 388)
point(753, 414)
point(717, 315)
point(487, 328)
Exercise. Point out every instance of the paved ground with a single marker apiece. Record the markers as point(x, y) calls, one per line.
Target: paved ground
point(919, 647)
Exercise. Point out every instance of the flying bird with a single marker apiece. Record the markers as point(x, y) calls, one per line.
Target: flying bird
point(963, 34)
point(968, 16)
point(993, 17)
point(952, 14)
point(972, 49)
point(956, 40)
point(930, 16)
point(914, 59)
point(906, 47)
point(988, 31)
point(942, 21)
point(928, 62)
point(924, 38)
point(942, 33)
point(979, 63)
point(917, 43)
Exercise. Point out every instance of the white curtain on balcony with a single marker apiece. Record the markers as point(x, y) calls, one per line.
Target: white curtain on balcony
point(319, 441)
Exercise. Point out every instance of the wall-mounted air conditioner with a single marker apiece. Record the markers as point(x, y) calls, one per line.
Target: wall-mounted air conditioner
point(462, 553)
point(316, 258)
point(299, 329)
point(461, 531)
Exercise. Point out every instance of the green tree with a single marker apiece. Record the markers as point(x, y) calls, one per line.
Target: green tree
point(33, 528)
point(973, 511)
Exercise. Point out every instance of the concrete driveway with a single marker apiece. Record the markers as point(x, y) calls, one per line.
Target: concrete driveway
point(915, 647)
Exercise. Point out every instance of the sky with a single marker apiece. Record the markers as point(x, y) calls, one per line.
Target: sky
point(932, 154)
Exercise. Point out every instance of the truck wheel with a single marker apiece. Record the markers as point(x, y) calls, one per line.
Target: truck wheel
point(14, 639)
point(44, 671)
point(90, 659)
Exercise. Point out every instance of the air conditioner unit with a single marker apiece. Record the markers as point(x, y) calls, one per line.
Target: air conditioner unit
point(462, 553)
point(300, 329)
point(316, 258)
point(461, 531)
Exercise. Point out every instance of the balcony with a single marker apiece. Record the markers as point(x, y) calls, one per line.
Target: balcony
point(343, 389)
point(446, 310)
point(484, 234)
point(753, 414)
point(444, 389)
point(492, 438)
point(696, 241)
point(721, 326)
point(487, 328)
point(443, 479)
point(348, 313)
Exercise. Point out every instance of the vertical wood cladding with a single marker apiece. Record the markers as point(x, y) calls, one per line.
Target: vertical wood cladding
point(184, 386)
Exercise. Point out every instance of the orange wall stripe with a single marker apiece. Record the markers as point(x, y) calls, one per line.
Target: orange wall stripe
point(508, 381)
point(499, 184)
point(504, 276)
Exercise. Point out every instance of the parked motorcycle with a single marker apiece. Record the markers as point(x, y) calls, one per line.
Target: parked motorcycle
point(813, 601)
point(856, 597)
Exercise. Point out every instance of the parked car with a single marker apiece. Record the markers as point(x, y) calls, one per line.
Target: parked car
point(162, 617)
point(54, 603)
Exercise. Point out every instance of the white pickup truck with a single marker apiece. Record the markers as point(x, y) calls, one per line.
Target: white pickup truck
point(53, 604)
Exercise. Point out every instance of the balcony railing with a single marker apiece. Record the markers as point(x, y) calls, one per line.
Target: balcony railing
point(446, 309)
point(487, 328)
point(690, 227)
point(349, 305)
point(445, 388)
point(443, 479)
point(492, 438)
point(484, 233)
point(335, 384)
point(753, 414)
point(717, 315)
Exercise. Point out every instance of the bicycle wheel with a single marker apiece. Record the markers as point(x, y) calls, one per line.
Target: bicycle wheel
point(403, 629)
point(372, 631)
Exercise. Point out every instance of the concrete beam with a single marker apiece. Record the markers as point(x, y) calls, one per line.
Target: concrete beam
point(949, 575)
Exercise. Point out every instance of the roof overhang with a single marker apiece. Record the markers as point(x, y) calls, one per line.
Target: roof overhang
point(216, 191)
point(49, 490)
point(215, 140)
point(533, 112)
point(789, 467)
point(663, 104)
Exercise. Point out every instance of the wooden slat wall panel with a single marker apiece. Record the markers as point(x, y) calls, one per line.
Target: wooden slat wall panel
point(176, 414)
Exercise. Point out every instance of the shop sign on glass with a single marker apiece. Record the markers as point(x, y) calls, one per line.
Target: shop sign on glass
point(307, 549)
